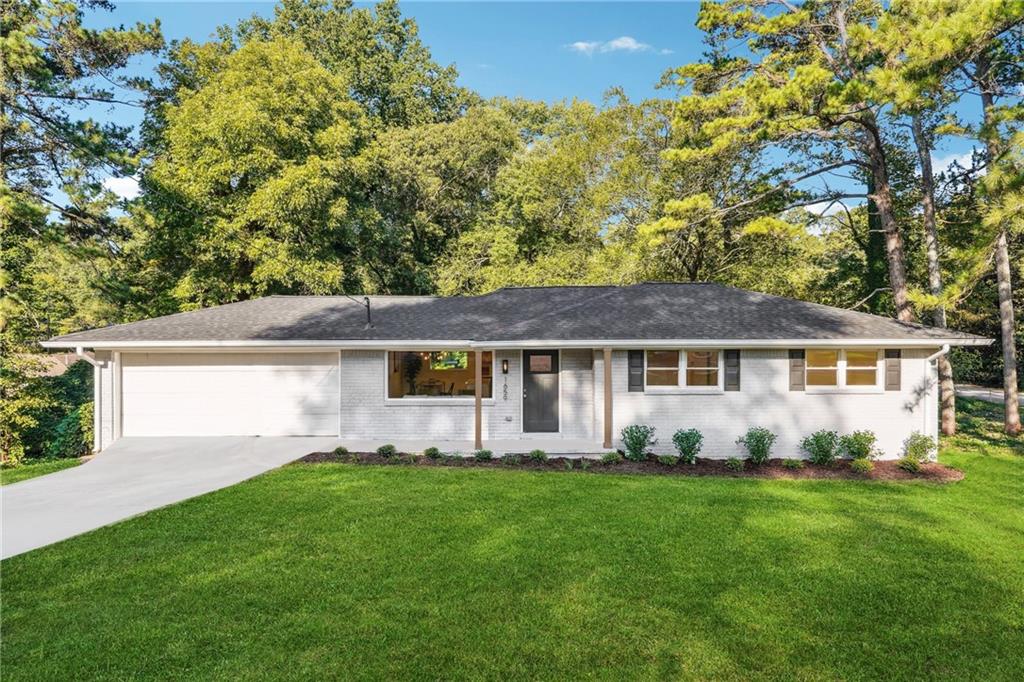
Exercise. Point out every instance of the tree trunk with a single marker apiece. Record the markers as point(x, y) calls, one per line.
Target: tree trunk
point(947, 394)
point(1011, 405)
point(882, 196)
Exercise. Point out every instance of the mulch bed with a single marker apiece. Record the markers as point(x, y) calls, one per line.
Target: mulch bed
point(883, 471)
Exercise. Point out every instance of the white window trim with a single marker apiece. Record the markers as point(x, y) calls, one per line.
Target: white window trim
point(682, 388)
point(434, 401)
point(841, 386)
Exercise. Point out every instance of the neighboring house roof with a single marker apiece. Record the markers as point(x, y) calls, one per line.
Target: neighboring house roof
point(641, 312)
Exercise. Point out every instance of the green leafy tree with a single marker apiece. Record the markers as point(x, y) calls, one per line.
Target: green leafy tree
point(53, 158)
point(253, 193)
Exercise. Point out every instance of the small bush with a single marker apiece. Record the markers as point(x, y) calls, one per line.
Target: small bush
point(538, 456)
point(908, 463)
point(612, 457)
point(71, 432)
point(919, 446)
point(668, 460)
point(821, 446)
point(638, 439)
point(341, 451)
point(511, 459)
point(387, 450)
point(432, 453)
point(688, 442)
point(793, 463)
point(862, 466)
point(568, 464)
point(734, 464)
point(483, 455)
point(758, 443)
point(859, 445)
point(584, 463)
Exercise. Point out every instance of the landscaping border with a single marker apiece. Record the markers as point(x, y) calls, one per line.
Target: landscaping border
point(773, 469)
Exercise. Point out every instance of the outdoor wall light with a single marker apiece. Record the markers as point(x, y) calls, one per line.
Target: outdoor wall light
point(504, 366)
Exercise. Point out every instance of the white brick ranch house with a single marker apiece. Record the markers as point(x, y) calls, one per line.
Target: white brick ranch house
point(562, 368)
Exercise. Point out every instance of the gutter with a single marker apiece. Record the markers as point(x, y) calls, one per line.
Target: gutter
point(498, 344)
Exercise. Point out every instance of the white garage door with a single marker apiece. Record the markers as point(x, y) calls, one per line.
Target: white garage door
point(229, 394)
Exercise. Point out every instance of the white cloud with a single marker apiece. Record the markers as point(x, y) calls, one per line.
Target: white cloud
point(126, 188)
point(827, 208)
point(665, 50)
point(585, 47)
point(941, 164)
point(627, 43)
point(620, 44)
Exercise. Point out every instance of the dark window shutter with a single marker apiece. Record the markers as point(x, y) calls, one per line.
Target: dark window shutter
point(732, 370)
point(893, 378)
point(636, 371)
point(796, 370)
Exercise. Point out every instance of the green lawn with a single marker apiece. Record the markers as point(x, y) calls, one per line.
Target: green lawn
point(391, 572)
point(31, 469)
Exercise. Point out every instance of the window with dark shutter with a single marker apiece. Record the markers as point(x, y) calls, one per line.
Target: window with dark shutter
point(636, 371)
point(732, 370)
point(796, 370)
point(893, 377)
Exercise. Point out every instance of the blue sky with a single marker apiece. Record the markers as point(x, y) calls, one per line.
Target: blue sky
point(537, 50)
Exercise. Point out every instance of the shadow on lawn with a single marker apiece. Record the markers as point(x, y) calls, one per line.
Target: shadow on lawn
point(981, 421)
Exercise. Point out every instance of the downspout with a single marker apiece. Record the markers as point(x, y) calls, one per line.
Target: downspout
point(927, 376)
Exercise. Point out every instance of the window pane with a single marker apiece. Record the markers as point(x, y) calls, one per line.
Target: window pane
point(701, 377)
point(437, 374)
point(702, 358)
point(860, 377)
point(822, 358)
point(662, 377)
point(821, 377)
point(861, 358)
point(540, 363)
point(663, 358)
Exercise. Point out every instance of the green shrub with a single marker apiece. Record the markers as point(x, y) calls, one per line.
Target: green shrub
point(758, 443)
point(793, 463)
point(538, 456)
point(908, 463)
point(688, 443)
point(862, 466)
point(584, 463)
point(483, 455)
point(821, 446)
point(734, 464)
point(859, 445)
point(568, 464)
point(69, 436)
point(612, 457)
point(638, 439)
point(919, 446)
point(668, 460)
point(511, 459)
point(387, 450)
point(341, 451)
point(432, 453)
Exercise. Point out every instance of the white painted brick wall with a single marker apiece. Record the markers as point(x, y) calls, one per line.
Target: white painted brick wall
point(366, 413)
point(577, 406)
point(105, 408)
point(765, 400)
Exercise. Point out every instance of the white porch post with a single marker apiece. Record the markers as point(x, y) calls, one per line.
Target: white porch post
point(607, 397)
point(478, 396)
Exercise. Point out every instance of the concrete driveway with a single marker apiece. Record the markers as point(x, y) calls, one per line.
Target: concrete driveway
point(134, 476)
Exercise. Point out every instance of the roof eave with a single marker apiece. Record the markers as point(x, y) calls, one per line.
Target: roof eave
point(399, 344)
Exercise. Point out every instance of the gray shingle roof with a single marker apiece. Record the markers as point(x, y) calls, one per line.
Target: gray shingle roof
point(650, 311)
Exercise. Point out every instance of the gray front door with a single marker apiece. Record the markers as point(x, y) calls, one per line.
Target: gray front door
point(540, 391)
